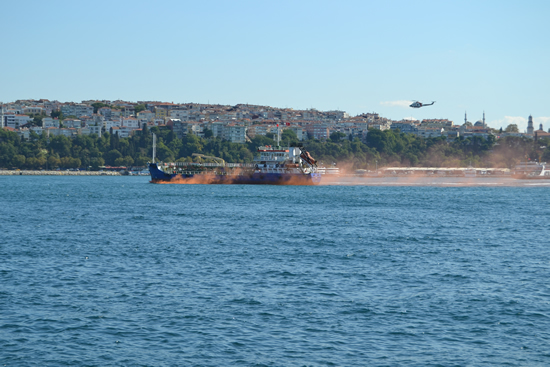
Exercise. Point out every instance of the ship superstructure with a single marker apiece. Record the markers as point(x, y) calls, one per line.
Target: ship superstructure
point(284, 160)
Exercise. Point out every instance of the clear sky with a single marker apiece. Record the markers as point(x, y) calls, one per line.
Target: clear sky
point(357, 56)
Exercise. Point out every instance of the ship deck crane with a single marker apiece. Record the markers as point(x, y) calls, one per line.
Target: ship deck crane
point(210, 157)
point(308, 158)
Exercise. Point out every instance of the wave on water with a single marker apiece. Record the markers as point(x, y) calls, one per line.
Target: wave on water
point(122, 272)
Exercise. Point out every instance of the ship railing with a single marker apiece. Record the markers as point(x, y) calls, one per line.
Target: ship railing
point(196, 164)
point(240, 165)
point(272, 170)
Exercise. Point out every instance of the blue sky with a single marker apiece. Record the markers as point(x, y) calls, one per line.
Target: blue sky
point(357, 56)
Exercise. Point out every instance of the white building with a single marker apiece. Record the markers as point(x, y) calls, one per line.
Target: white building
point(319, 131)
point(57, 132)
point(105, 112)
point(33, 110)
point(404, 126)
point(130, 122)
point(111, 124)
point(8, 119)
point(429, 132)
point(256, 130)
point(50, 122)
point(145, 116)
point(15, 121)
point(77, 110)
point(216, 127)
point(37, 129)
point(91, 130)
point(72, 123)
point(182, 115)
point(337, 115)
point(115, 114)
point(234, 133)
point(122, 131)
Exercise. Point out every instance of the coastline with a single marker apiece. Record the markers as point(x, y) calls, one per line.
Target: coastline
point(57, 173)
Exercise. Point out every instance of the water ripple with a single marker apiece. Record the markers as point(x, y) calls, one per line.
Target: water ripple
point(122, 272)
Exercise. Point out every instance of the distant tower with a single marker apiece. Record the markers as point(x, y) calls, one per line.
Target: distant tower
point(530, 128)
point(541, 128)
point(465, 117)
point(484, 125)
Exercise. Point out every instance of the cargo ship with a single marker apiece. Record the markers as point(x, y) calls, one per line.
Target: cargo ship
point(273, 166)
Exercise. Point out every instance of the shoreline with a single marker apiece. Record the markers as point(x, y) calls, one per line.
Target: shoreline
point(57, 173)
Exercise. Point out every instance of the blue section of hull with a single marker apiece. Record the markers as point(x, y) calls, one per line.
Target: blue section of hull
point(252, 178)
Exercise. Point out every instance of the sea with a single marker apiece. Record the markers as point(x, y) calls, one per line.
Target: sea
point(116, 271)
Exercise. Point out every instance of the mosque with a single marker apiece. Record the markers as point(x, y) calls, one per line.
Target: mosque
point(479, 123)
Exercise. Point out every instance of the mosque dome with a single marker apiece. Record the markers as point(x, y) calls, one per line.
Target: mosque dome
point(479, 123)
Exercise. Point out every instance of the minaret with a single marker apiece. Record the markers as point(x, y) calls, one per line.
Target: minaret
point(465, 119)
point(484, 125)
point(530, 128)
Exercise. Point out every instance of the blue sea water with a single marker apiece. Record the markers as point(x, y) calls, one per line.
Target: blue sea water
point(114, 271)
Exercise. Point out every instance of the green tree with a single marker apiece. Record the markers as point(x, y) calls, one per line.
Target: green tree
point(289, 137)
point(53, 162)
point(95, 163)
point(336, 136)
point(61, 145)
point(18, 161)
point(141, 161)
point(37, 119)
point(139, 107)
point(119, 162)
point(164, 153)
point(111, 156)
point(208, 133)
point(57, 114)
point(128, 161)
point(258, 141)
point(512, 128)
point(98, 105)
point(31, 163)
point(190, 144)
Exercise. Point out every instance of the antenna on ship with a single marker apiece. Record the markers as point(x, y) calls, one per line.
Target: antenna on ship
point(278, 136)
point(154, 146)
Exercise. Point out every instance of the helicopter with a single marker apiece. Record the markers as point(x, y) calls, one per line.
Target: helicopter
point(417, 104)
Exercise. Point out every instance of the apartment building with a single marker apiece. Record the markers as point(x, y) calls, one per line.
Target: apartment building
point(77, 110)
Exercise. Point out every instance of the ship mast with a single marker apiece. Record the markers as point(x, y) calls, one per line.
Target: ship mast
point(154, 146)
point(278, 136)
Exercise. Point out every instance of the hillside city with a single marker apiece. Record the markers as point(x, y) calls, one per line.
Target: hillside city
point(237, 124)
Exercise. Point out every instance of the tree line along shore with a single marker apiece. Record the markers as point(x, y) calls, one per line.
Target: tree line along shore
point(57, 173)
point(379, 149)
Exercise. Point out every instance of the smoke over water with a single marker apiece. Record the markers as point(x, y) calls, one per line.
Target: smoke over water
point(238, 177)
point(350, 180)
point(195, 180)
